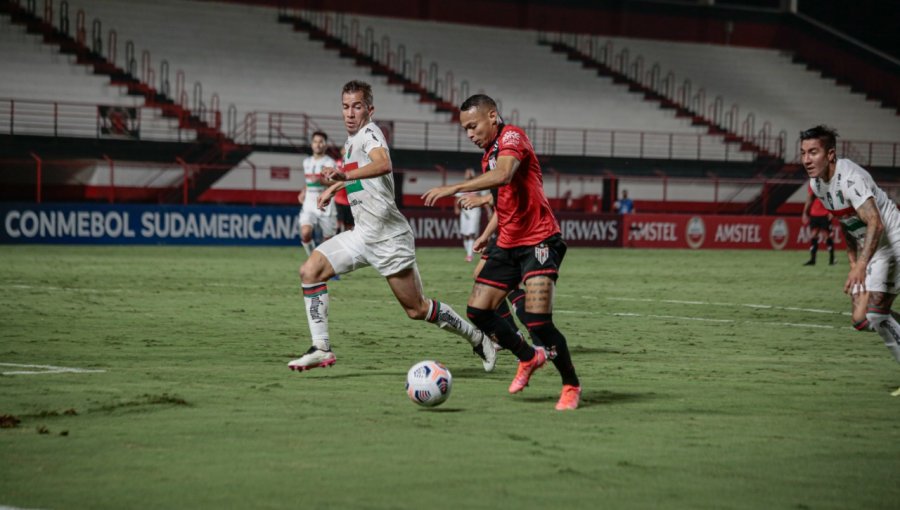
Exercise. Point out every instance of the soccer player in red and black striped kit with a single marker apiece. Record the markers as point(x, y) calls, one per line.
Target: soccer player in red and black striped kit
point(529, 246)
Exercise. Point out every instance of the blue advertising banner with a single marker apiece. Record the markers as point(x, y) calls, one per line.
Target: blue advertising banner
point(147, 224)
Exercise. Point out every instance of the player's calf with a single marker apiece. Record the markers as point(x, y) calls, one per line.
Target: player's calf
point(887, 327)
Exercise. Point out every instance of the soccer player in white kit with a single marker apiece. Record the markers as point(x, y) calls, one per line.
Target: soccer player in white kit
point(469, 219)
point(310, 214)
point(382, 239)
point(871, 223)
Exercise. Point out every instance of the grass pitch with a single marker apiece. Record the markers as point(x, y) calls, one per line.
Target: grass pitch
point(712, 379)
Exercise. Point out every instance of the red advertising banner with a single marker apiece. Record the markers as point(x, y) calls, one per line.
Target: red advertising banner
point(441, 228)
point(729, 232)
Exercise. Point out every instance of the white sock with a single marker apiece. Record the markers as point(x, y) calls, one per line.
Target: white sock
point(889, 330)
point(315, 297)
point(308, 247)
point(469, 244)
point(442, 315)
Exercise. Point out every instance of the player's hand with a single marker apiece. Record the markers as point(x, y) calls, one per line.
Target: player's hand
point(333, 174)
point(434, 194)
point(325, 199)
point(804, 218)
point(472, 201)
point(856, 280)
point(480, 244)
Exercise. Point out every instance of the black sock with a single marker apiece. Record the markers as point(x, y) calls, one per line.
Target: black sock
point(505, 313)
point(830, 244)
point(517, 298)
point(490, 322)
point(543, 327)
point(813, 248)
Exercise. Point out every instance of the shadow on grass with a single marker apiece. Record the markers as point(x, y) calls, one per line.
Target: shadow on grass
point(592, 398)
point(441, 410)
point(392, 375)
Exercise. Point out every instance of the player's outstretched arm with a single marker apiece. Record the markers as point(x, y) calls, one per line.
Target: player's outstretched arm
point(869, 215)
point(501, 175)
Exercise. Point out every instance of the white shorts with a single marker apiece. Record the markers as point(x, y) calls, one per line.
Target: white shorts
point(326, 220)
point(881, 273)
point(470, 222)
point(348, 251)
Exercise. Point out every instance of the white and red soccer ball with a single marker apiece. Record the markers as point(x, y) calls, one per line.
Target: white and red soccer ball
point(428, 383)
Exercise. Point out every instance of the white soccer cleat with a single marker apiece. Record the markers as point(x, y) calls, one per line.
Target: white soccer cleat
point(314, 358)
point(486, 351)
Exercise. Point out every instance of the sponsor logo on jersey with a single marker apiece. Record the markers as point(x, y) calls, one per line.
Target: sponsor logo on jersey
point(778, 233)
point(695, 232)
point(511, 138)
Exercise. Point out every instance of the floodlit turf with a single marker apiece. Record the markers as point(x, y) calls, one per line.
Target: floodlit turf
point(712, 379)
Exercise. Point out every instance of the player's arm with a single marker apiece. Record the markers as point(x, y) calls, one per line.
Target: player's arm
point(380, 165)
point(473, 201)
point(326, 196)
point(301, 196)
point(501, 175)
point(485, 236)
point(869, 215)
point(852, 248)
point(806, 207)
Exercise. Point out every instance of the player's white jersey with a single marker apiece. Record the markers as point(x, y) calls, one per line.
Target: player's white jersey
point(312, 169)
point(372, 200)
point(850, 187)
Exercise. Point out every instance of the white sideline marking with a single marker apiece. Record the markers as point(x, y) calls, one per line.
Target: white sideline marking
point(701, 319)
point(17, 286)
point(713, 303)
point(45, 369)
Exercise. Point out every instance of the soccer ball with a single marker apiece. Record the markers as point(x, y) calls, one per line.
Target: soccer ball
point(428, 383)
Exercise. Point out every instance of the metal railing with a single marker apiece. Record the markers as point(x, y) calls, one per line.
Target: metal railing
point(85, 120)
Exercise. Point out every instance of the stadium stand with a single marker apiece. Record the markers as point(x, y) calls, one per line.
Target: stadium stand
point(241, 53)
point(537, 86)
point(50, 94)
point(770, 85)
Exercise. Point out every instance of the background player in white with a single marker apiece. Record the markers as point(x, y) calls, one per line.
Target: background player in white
point(310, 215)
point(382, 238)
point(469, 218)
point(871, 223)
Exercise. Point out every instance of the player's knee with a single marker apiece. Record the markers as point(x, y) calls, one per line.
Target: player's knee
point(311, 271)
point(417, 313)
point(481, 318)
point(537, 322)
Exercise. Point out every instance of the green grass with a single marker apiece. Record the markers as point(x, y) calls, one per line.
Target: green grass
point(752, 407)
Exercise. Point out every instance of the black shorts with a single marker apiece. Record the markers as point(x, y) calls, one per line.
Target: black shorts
point(505, 268)
point(820, 222)
point(344, 215)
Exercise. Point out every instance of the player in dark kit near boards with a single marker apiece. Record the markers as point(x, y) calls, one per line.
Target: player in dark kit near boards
point(529, 247)
point(819, 220)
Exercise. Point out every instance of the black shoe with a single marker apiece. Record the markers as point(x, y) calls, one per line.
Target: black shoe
point(810, 263)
